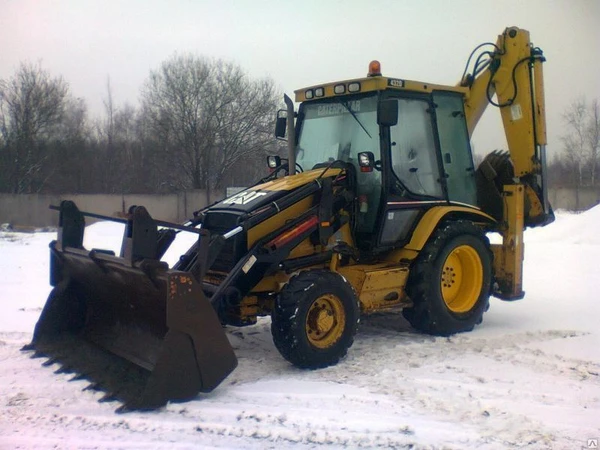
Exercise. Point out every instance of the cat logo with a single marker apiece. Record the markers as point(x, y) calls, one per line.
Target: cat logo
point(245, 197)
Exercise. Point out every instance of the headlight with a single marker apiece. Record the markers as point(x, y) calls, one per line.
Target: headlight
point(339, 88)
point(354, 87)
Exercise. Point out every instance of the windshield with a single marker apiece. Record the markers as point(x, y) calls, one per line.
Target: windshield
point(338, 129)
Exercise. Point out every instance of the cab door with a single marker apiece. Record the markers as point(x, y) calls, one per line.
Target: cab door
point(414, 172)
point(455, 148)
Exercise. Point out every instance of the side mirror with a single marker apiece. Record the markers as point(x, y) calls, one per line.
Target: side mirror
point(387, 112)
point(281, 124)
point(366, 161)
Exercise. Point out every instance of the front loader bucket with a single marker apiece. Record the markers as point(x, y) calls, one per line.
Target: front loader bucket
point(141, 332)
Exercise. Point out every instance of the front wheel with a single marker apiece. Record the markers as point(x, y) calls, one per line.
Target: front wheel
point(450, 281)
point(315, 319)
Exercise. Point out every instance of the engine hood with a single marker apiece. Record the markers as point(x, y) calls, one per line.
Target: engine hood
point(262, 194)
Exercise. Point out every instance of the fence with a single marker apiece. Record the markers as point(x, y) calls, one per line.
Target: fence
point(574, 199)
point(32, 210)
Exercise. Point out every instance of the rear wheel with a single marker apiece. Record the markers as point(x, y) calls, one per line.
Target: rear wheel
point(450, 281)
point(315, 319)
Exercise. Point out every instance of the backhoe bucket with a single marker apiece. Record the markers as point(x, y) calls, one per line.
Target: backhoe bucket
point(167, 338)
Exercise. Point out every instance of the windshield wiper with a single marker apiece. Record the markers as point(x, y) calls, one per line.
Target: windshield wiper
point(345, 105)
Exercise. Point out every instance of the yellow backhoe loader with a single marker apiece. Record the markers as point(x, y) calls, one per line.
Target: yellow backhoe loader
point(377, 205)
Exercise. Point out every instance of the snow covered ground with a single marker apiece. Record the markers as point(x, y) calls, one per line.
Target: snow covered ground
point(528, 377)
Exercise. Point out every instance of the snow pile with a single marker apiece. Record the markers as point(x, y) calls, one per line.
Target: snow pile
point(527, 377)
point(569, 228)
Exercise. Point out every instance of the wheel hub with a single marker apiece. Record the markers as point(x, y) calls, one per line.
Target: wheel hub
point(461, 279)
point(325, 321)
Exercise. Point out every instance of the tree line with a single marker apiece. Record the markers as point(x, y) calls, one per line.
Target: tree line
point(201, 124)
point(578, 164)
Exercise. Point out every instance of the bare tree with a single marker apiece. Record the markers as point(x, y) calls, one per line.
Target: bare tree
point(108, 165)
point(31, 104)
point(174, 102)
point(206, 115)
point(243, 119)
point(130, 167)
point(581, 142)
point(70, 168)
point(574, 140)
point(593, 137)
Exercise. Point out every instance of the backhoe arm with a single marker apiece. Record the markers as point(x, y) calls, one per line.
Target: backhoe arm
point(516, 194)
point(514, 74)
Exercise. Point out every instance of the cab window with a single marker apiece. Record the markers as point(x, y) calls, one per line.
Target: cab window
point(413, 152)
point(455, 148)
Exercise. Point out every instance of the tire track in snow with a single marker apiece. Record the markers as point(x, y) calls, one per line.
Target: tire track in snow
point(433, 376)
point(390, 359)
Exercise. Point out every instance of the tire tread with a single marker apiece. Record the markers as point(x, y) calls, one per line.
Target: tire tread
point(424, 315)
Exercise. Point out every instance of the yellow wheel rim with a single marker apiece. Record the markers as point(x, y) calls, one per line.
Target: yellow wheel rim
point(462, 279)
point(325, 321)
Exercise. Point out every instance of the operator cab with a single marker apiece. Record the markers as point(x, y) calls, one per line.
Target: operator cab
point(415, 136)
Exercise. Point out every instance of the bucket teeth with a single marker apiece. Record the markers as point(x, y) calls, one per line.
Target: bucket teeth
point(78, 376)
point(92, 387)
point(63, 369)
point(49, 362)
point(28, 347)
point(38, 354)
point(123, 409)
point(108, 397)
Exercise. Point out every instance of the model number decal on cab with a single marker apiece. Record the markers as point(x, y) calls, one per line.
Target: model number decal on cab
point(394, 82)
point(243, 198)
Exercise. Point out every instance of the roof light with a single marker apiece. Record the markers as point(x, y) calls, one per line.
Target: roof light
point(309, 94)
point(339, 88)
point(319, 92)
point(374, 69)
point(354, 87)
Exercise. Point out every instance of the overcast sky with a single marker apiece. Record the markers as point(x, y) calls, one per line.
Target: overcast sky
point(301, 43)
